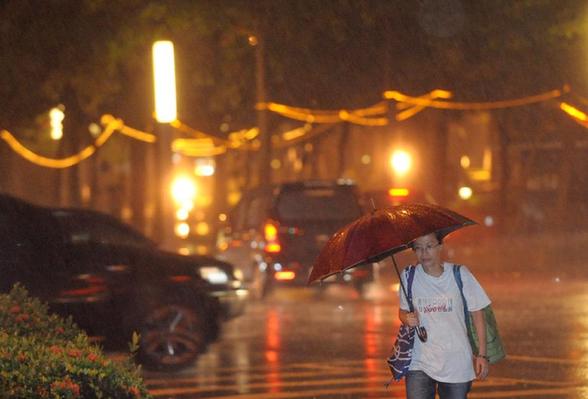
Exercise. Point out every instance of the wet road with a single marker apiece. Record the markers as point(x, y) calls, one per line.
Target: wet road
point(296, 345)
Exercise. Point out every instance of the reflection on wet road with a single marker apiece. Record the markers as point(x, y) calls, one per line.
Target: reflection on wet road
point(295, 345)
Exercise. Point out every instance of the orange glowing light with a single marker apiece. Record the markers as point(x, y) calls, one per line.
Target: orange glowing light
point(285, 275)
point(399, 192)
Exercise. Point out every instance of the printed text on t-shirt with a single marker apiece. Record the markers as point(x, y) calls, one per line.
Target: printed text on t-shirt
point(435, 305)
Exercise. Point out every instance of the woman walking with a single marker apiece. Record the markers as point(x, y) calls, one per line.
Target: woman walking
point(444, 363)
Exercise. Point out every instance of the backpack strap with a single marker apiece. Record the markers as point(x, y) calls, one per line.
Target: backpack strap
point(458, 280)
point(410, 272)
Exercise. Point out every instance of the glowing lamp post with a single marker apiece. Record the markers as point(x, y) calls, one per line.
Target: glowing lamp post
point(56, 116)
point(164, 79)
point(401, 163)
point(164, 83)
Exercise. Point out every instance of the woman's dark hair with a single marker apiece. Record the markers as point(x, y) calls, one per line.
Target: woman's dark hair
point(438, 235)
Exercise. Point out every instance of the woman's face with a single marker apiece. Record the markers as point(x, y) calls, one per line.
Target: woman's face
point(428, 250)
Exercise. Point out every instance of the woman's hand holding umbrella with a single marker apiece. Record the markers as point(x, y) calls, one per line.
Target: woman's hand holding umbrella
point(411, 319)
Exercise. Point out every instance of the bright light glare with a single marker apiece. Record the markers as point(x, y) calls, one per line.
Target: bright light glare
point(182, 229)
point(465, 193)
point(204, 167)
point(182, 214)
point(398, 192)
point(213, 274)
point(464, 161)
point(164, 79)
point(401, 162)
point(489, 221)
point(573, 111)
point(184, 190)
point(56, 116)
point(202, 228)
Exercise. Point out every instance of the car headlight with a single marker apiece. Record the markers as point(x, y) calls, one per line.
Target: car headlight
point(213, 274)
point(239, 274)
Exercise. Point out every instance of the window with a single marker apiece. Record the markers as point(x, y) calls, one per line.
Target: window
point(80, 228)
point(318, 203)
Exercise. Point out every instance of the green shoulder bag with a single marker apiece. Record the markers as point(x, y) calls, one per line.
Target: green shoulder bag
point(494, 347)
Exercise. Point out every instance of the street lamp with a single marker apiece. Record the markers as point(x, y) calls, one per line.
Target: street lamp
point(164, 83)
point(164, 79)
point(56, 116)
point(401, 162)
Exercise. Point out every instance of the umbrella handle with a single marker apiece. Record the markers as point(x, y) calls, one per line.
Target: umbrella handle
point(421, 333)
point(420, 330)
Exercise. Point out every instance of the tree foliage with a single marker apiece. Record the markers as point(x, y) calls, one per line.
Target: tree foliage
point(334, 54)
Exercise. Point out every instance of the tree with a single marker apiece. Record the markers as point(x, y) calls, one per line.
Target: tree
point(94, 56)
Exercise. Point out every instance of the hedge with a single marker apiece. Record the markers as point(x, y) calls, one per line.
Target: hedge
point(43, 355)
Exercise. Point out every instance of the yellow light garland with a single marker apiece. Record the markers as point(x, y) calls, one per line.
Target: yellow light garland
point(205, 144)
point(54, 163)
point(330, 116)
point(108, 119)
point(400, 97)
point(573, 112)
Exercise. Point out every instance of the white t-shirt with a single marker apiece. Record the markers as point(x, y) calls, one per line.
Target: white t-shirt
point(447, 355)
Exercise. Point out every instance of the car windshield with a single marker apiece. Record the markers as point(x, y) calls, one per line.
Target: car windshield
point(318, 203)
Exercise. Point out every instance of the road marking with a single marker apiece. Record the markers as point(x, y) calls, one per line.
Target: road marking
point(338, 377)
point(519, 393)
point(279, 395)
point(398, 389)
point(256, 382)
point(541, 393)
point(538, 359)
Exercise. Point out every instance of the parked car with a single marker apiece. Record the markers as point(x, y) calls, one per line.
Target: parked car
point(112, 287)
point(274, 234)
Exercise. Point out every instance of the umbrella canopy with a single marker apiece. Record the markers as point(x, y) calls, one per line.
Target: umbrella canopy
point(381, 233)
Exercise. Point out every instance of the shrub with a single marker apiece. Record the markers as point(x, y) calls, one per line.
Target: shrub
point(45, 356)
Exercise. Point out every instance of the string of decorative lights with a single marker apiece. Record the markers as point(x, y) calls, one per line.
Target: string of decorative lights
point(474, 106)
point(203, 144)
point(66, 162)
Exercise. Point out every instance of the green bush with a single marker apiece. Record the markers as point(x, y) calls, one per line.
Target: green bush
point(45, 356)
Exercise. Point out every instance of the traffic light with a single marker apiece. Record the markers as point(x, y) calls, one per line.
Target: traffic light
point(56, 116)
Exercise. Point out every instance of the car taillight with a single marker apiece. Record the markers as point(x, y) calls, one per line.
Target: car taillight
point(360, 272)
point(285, 275)
point(272, 242)
point(84, 285)
point(398, 195)
point(180, 278)
point(398, 192)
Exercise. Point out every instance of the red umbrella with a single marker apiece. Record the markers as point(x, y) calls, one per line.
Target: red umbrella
point(382, 233)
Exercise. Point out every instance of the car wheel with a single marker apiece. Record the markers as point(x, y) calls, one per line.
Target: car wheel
point(172, 336)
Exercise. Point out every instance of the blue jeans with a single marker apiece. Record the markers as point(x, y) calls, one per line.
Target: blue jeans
point(420, 386)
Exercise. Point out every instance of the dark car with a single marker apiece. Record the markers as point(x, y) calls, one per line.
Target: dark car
point(274, 234)
point(91, 231)
point(112, 288)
